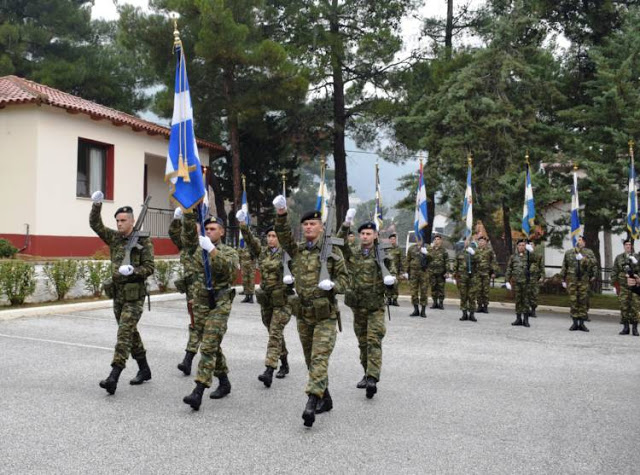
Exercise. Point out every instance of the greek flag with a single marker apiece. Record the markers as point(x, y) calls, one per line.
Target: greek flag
point(247, 220)
point(323, 195)
point(467, 206)
point(576, 229)
point(633, 222)
point(377, 218)
point(183, 164)
point(529, 208)
point(421, 218)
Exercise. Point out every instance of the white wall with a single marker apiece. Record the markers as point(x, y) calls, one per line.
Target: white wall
point(156, 186)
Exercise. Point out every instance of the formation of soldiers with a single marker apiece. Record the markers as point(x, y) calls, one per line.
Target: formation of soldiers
point(303, 279)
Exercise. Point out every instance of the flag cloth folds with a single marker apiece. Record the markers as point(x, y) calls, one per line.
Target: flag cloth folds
point(377, 215)
point(633, 222)
point(467, 205)
point(245, 208)
point(421, 218)
point(529, 208)
point(576, 229)
point(323, 194)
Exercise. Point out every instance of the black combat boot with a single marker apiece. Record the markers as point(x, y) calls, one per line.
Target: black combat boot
point(472, 317)
point(195, 398)
point(634, 329)
point(389, 301)
point(144, 372)
point(325, 404)
point(441, 305)
point(284, 368)
point(250, 297)
point(267, 376)
point(485, 308)
point(371, 386)
point(362, 383)
point(111, 383)
point(423, 311)
point(533, 312)
point(625, 329)
point(309, 414)
point(525, 320)
point(416, 312)
point(224, 388)
point(395, 302)
point(185, 366)
point(247, 299)
point(435, 303)
point(574, 326)
point(518, 321)
point(464, 316)
point(581, 326)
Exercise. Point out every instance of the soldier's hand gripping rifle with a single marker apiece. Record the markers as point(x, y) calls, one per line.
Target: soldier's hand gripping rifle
point(381, 255)
point(135, 236)
point(287, 275)
point(326, 249)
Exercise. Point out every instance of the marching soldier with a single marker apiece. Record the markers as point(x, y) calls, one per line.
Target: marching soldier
point(520, 277)
point(577, 272)
point(316, 308)
point(395, 253)
point(465, 273)
point(248, 269)
point(438, 270)
point(418, 260)
point(222, 261)
point(487, 269)
point(272, 296)
point(365, 297)
point(625, 265)
point(127, 289)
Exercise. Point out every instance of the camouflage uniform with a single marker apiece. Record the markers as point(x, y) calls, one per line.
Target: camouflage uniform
point(248, 268)
point(629, 301)
point(438, 268)
point(272, 296)
point(395, 254)
point(465, 271)
point(315, 309)
point(487, 265)
point(537, 275)
point(520, 273)
point(596, 271)
point(417, 268)
point(128, 291)
point(577, 274)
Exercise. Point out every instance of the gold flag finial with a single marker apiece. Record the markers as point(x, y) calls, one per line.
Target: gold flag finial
point(176, 33)
point(575, 166)
point(470, 159)
point(631, 144)
point(244, 181)
point(526, 156)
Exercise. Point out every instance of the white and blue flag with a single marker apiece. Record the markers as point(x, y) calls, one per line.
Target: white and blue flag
point(529, 208)
point(421, 218)
point(322, 199)
point(377, 215)
point(633, 222)
point(576, 228)
point(467, 205)
point(247, 220)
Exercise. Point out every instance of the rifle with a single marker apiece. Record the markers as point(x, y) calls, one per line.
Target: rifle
point(133, 239)
point(286, 258)
point(381, 255)
point(328, 241)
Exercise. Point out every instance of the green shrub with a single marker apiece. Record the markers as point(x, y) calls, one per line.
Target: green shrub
point(7, 249)
point(17, 280)
point(164, 271)
point(62, 275)
point(95, 273)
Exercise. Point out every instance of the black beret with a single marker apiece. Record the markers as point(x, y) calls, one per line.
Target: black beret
point(309, 215)
point(367, 225)
point(214, 220)
point(437, 236)
point(627, 241)
point(522, 240)
point(268, 229)
point(123, 209)
point(350, 233)
point(392, 235)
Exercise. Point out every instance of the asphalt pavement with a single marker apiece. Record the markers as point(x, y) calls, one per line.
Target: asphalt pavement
point(454, 397)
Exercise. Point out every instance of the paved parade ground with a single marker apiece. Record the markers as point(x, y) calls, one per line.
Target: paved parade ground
point(454, 397)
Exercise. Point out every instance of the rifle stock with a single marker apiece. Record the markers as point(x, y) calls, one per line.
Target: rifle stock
point(136, 234)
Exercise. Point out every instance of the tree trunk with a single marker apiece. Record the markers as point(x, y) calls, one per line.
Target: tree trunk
point(503, 247)
point(448, 32)
point(234, 136)
point(431, 212)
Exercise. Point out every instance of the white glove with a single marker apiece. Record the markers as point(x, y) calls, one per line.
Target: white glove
point(405, 275)
point(564, 285)
point(97, 196)
point(241, 216)
point(633, 259)
point(529, 247)
point(508, 286)
point(326, 284)
point(288, 279)
point(471, 251)
point(177, 214)
point(126, 270)
point(205, 243)
point(579, 257)
point(389, 280)
point(424, 250)
point(280, 202)
point(351, 213)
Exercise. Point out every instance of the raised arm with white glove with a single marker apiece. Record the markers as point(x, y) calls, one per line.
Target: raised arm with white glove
point(241, 216)
point(177, 214)
point(351, 214)
point(205, 243)
point(280, 202)
point(529, 247)
point(97, 196)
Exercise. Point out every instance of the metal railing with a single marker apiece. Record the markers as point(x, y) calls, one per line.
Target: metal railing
point(157, 222)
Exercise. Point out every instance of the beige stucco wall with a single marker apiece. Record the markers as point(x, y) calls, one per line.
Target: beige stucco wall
point(156, 186)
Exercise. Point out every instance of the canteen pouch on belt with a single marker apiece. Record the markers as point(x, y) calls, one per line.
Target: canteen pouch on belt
point(181, 285)
point(108, 288)
point(294, 301)
point(262, 298)
point(133, 292)
point(278, 298)
point(322, 308)
point(350, 299)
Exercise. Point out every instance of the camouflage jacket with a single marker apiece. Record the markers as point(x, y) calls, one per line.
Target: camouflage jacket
point(573, 269)
point(487, 262)
point(141, 259)
point(440, 260)
point(465, 265)
point(620, 266)
point(270, 261)
point(521, 271)
point(306, 265)
point(246, 254)
point(416, 261)
point(187, 255)
point(395, 254)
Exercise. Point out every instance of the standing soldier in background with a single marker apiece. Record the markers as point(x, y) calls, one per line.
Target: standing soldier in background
point(418, 259)
point(127, 289)
point(272, 297)
point(438, 270)
point(487, 269)
point(316, 306)
point(577, 272)
point(351, 241)
point(248, 269)
point(537, 275)
point(395, 254)
point(625, 265)
point(588, 253)
point(520, 278)
point(465, 272)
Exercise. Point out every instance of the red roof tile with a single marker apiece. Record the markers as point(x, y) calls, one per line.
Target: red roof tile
point(15, 90)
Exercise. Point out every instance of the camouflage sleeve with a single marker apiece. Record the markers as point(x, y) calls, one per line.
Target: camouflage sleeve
point(345, 248)
point(190, 233)
point(391, 266)
point(147, 266)
point(175, 233)
point(495, 268)
point(254, 245)
point(339, 274)
point(509, 272)
point(95, 221)
point(285, 236)
point(615, 271)
point(565, 266)
point(222, 261)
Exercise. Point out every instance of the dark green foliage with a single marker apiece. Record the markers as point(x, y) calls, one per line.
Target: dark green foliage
point(95, 273)
point(62, 275)
point(7, 249)
point(163, 271)
point(17, 280)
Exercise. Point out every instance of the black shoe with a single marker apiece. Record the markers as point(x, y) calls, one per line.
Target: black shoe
point(574, 326)
point(472, 318)
point(371, 386)
point(416, 312)
point(464, 316)
point(111, 383)
point(525, 320)
point(441, 304)
point(362, 383)
point(485, 309)
point(224, 388)
point(309, 414)
point(395, 303)
point(389, 301)
point(533, 313)
point(185, 366)
point(144, 372)
point(581, 326)
point(625, 329)
point(250, 299)
point(518, 321)
point(434, 305)
point(423, 313)
point(195, 398)
point(284, 368)
point(325, 404)
point(634, 329)
point(267, 376)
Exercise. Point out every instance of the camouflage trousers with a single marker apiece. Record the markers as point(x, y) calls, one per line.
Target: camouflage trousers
point(370, 329)
point(419, 285)
point(629, 305)
point(212, 359)
point(523, 291)
point(535, 291)
point(318, 337)
point(467, 288)
point(437, 285)
point(275, 319)
point(200, 311)
point(578, 298)
point(393, 292)
point(248, 279)
point(129, 342)
point(483, 283)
